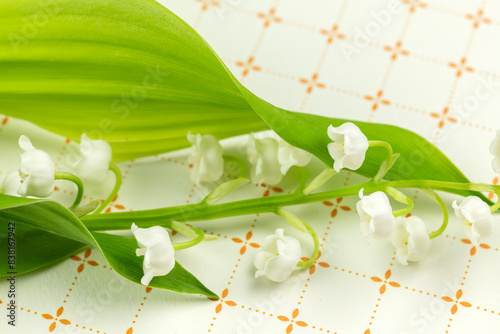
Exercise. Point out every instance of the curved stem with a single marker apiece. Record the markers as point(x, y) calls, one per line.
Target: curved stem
point(387, 164)
point(445, 217)
point(190, 243)
point(315, 255)
point(319, 180)
point(384, 144)
point(404, 211)
point(239, 161)
point(114, 168)
point(401, 198)
point(303, 179)
point(76, 180)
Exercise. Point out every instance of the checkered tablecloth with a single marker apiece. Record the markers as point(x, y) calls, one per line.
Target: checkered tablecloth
point(429, 66)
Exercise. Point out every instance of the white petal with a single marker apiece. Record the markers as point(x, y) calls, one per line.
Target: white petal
point(476, 218)
point(349, 146)
point(399, 240)
point(206, 158)
point(10, 183)
point(93, 166)
point(375, 211)
point(261, 258)
point(418, 238)
point(279, 268)
point(37, 171)
point(289, 156)
point(156, 246)
point(278, 258)
point(25, 143)
point(263, 154)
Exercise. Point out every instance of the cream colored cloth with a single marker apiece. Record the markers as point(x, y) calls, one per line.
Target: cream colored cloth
point(428, 66)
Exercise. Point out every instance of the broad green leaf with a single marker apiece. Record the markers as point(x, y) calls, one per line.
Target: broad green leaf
point(128, 71)
point(35, 249)
point(133, 73)
point(46, 233)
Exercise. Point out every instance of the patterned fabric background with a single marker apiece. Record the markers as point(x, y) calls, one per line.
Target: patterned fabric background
point(428, 66)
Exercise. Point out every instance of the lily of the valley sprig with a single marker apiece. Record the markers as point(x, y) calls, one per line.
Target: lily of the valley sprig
point(270, 159)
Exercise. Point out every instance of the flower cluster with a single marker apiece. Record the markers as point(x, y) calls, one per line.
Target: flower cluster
point(270, 157)
point(37, 173)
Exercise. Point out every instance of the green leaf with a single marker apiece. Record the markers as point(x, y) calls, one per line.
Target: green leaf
point(133, 73)
point(117, 250)
point(46, 232)
point(127, 71)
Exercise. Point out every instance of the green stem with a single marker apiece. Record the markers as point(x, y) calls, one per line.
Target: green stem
point(76, 180)
point(401, 198)
point(319, 180)
point(239, 161)
point(445, 217)
point(386, 145)
point(387, 164)
point(114, 168)
point(199, 211)
point(303, 179)
point(315, 255)
point(190, 243)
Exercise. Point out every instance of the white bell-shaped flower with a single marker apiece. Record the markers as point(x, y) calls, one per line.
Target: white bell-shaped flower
point(278, 258)
point(410, 239)
point(289, 156)
point(93, 166)
point(206, 158)
point(476, 218)
point(156, 247)
point(263, 155)
point(495, 150)
point(375, 211)
point(349, 146)
point(9, 183)
point(37, 171)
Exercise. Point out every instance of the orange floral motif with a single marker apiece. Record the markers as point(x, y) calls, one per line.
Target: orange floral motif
point(82, 265)
point(269, 188)
point(208, 3)
point(377, 100)
point(336, 206)
point(269, 17)
point(443, 117)
point(117, 206)
point(312, 83)
point(454, 308)
point(495, 182)
point(248, 66)
point(461, 67)
point(56, 319)
point(396, 50)
point(224, 294)
point(245, 243)
point(383, 287)
point(312, 268)
point(414, 4)
point(332, 34)
point(478, 18)
point(292, 321)
point(473, 249)
point(5, 120)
